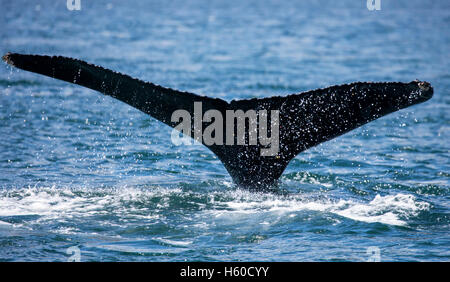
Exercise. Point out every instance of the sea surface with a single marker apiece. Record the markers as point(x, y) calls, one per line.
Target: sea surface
point(85, 177)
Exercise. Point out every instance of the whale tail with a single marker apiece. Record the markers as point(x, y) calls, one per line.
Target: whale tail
point(300, 121)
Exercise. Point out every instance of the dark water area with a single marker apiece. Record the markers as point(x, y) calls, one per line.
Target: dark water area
point(78, 169)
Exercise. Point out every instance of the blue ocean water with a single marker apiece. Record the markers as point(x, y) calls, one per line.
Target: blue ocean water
point(82, 171)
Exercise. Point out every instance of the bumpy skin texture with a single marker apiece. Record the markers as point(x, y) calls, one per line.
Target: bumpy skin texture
point(306, 119)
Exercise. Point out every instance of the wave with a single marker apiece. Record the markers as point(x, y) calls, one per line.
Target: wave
point(198, 207)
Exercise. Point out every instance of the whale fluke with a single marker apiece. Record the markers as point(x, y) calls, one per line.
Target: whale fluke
point(305, 119)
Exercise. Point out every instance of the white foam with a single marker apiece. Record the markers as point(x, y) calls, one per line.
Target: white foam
point(60, 202)
point(224, 207)
point(44, 201)
point(389, 209)
point(309, 179)
point(172, 242)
